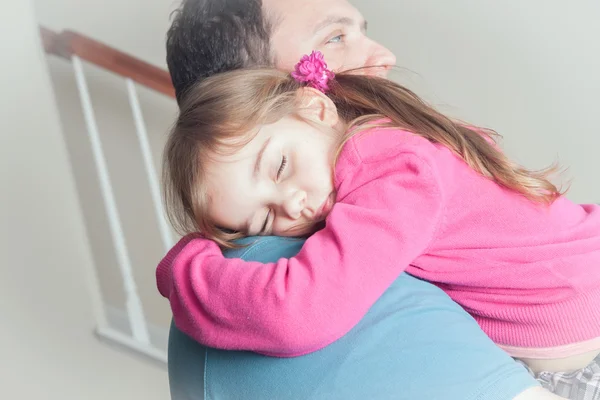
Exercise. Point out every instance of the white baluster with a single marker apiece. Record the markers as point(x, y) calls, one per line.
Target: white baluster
point(142, 134)
point(135, 312)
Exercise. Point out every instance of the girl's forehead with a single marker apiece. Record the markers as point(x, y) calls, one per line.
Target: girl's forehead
point(234, 149)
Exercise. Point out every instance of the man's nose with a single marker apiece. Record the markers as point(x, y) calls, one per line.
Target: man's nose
point(381, 56)
point(293, 204)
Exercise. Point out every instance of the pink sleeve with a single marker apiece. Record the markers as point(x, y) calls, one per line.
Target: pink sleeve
point(386, 216)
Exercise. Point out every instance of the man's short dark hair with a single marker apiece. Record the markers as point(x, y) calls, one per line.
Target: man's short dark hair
point(212, 36)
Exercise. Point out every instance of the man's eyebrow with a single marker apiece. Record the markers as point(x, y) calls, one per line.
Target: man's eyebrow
point(331, 20)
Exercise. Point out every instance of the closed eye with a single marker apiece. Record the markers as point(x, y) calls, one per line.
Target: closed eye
point(264, 227)
point(282, 166)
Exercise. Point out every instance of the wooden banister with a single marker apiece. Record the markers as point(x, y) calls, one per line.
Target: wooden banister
point(68, 43)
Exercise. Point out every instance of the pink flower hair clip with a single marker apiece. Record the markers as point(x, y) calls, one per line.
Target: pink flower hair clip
point(313, 71)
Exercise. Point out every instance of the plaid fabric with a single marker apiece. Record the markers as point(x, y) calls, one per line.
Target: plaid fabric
point(577, 385)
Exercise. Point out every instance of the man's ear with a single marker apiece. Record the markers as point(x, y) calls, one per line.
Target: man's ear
point(317, 107)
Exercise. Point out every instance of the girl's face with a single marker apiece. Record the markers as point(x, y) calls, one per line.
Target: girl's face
point(280, 183)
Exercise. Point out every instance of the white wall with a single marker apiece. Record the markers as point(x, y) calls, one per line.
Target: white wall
point(136, 27)
point(46, 342)
point(529, 69)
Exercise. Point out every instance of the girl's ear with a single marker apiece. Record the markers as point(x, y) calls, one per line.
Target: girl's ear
point(317, 107)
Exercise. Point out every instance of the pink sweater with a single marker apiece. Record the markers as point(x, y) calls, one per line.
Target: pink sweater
point(529, 274)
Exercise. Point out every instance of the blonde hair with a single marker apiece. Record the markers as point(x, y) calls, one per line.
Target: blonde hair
point(218, 112)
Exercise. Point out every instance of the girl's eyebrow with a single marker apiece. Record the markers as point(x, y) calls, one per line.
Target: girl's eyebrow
point(249, 224)
point(255, 174)
point(258, 162)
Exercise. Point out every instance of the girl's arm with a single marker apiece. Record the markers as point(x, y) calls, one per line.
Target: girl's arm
point(387, 213)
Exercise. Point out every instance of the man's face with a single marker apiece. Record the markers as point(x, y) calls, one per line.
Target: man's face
point(334, 27)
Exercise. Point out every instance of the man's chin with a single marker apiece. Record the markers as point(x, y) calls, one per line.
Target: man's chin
point(381, 72)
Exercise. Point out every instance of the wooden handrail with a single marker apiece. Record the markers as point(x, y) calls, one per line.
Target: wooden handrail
point(68, 43)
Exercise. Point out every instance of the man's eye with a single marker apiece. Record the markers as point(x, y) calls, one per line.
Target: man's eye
point(282, 166)
point(336, 39)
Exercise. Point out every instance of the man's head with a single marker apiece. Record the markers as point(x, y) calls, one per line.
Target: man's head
point(213, 36)
point(334, 27)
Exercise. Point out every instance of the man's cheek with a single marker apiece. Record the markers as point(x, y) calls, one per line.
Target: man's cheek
point(334, 61)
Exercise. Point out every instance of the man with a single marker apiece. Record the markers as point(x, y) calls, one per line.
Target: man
point(209, 36)
point(414, 343)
